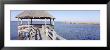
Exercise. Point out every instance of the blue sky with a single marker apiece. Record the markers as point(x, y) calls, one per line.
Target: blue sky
point(67, 15)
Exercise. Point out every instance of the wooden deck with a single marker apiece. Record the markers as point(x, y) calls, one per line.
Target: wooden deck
point(37, 32)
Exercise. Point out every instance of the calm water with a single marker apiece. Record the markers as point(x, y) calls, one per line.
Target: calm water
point(68, 31)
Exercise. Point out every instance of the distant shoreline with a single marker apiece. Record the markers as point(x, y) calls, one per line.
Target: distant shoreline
point(81, 23)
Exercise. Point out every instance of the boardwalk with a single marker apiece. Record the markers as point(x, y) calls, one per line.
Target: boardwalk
point(36, 31)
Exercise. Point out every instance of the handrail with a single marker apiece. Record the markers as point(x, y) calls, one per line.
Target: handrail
point(54, 34)
point(37, 32)
point(49, 32)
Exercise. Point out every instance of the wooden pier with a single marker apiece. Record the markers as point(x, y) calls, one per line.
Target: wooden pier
point(36, 31)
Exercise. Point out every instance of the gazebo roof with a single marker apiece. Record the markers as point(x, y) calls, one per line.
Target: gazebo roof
point(34, 14)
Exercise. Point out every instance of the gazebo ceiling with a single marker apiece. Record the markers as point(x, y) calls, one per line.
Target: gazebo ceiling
point(35, 14)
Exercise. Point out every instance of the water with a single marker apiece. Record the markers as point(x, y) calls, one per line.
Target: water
point(68, 31)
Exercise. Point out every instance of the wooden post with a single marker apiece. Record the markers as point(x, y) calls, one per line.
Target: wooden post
point(31, 21)
point(21, 22)
point(53, 22)
point(29, 29)
point(46, 29)
point(54, 36)
point(28, 23)
point(50, 22)
point(45, 22)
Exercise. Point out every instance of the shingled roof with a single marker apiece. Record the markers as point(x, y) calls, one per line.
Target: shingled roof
point(34, 14)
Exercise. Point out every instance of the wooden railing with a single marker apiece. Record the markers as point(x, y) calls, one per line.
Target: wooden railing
point(28, 33)
point(49, 34)
point(33, 33)
point(52, 34)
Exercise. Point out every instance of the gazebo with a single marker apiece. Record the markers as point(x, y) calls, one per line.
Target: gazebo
point(35, 30)
point(35, 14)
point(39, 32)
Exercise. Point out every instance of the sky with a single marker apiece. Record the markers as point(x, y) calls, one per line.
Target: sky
point(69, 15)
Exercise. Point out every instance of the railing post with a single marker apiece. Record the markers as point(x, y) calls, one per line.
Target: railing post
point(53, 23)
point(54, 36)
point(31, 21)
point(46, 31)
point(21, 22)
point(18, 21)
point(28, 29)
point(50, 21)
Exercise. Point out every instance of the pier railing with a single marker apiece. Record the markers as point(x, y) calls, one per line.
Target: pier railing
point(29, 32)
point(50, 32)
